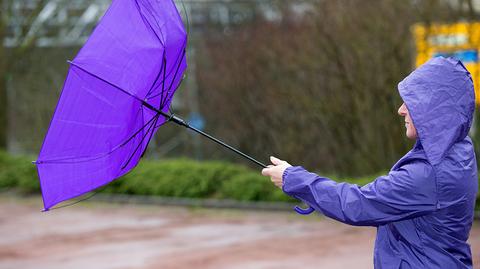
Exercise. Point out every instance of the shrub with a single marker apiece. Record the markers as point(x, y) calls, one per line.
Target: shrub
point(6, 179)
point(246, 187)
point(177, 178)
point(169, 178)
point(18, 172)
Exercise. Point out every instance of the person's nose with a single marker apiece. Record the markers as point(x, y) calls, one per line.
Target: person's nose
point(402, 110)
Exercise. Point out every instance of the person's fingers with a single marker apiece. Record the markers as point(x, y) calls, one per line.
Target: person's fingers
point(268, 171)
point(275, 179)
point(276, 161)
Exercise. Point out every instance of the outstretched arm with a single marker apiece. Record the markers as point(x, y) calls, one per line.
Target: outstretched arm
point(407, 192)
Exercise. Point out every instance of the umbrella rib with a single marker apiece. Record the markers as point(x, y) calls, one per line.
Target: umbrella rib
point(158, 75)
point(173, 80)
point(146, 104)
point(137, 132)
point(88, 158)
point(162, 96)
point(150, 11)
point(179, 62)
point(151, 134)
point(170, 73)
point(165, 76)
point(106, 81)
point(144, 19)
point(140, 143)
point(163, 84)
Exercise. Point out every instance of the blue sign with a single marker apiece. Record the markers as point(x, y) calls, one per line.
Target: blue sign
point(466, 56)
point(196, 120)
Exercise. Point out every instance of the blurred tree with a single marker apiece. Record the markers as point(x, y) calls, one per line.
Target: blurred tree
point(8, 57)
point(3, 79)
point(316, 87)
point(310, 81)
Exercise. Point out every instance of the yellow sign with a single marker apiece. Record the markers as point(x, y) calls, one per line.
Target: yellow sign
point(461, 40)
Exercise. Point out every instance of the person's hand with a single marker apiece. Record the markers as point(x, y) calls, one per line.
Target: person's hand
point(275, 171)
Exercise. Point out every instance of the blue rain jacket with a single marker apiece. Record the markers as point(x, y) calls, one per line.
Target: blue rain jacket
point(423, 209)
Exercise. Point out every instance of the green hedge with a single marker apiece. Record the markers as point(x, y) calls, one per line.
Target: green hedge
point(168, 178)
point(193, 179)
point(19, 173)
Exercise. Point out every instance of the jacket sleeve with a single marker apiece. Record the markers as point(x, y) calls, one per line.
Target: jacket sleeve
point(408, 192)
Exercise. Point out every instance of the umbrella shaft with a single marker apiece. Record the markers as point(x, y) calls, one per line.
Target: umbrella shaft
point(227, 146)
point(179, 121)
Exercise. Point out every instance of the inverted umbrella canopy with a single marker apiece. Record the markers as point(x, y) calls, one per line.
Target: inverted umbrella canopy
point(113, 98)
point(116, 95)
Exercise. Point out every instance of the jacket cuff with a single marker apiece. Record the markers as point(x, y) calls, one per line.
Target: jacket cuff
point(285, 176)
point(285, 173)
point(293, 178)
point(296, 182)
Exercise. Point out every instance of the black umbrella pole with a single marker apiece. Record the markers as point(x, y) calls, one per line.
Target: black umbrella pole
point(183, 123)
point(227, 146)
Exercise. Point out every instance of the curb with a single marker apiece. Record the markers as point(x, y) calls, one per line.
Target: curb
point(189, 202)
point(207, 203)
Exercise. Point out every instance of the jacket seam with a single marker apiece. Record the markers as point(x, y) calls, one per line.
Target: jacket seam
point(437, 204)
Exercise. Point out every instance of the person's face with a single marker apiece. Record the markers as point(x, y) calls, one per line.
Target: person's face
point(411, 131)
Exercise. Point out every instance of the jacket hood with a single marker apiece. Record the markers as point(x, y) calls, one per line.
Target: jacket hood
point(440, 98)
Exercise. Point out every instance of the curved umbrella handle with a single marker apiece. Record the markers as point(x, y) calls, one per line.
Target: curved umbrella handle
point(304, 211)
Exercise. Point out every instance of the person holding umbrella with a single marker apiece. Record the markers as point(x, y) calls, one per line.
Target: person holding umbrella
point(423, 208)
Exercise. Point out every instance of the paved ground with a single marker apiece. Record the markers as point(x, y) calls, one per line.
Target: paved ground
point(114, 236)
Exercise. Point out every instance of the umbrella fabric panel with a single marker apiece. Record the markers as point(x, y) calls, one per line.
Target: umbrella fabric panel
point(138, 46)
point(95, 131)
point(91, 118)
point(62, 181)
point(133, 61)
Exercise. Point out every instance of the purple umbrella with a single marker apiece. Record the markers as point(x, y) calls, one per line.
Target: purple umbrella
point(116, 95)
